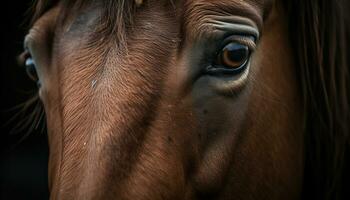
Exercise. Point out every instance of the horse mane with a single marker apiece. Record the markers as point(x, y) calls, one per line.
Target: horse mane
point(320, 37)
point(115, 17)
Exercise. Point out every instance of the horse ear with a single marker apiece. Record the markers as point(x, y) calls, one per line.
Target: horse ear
point(138, 2)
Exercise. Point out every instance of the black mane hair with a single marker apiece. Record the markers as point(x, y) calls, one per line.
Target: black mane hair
point(320, 35)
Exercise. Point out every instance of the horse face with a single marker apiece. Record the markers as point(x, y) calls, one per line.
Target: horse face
point(197, 99)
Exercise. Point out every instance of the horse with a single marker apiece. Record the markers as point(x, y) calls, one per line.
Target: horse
point(193, 99)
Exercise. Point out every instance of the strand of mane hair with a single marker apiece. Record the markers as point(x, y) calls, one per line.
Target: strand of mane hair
point(320, 34)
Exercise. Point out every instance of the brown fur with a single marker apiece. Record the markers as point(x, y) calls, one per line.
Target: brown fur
point(129, 118)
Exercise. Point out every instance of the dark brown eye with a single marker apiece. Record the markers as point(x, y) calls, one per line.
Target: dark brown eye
point(234, 56)
point(31, 69)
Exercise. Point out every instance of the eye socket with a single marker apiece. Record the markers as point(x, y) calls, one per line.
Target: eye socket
point(234, 56)
point(31, 68)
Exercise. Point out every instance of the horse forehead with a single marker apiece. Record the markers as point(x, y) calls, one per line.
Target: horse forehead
point(189, 7)
point(256, 3)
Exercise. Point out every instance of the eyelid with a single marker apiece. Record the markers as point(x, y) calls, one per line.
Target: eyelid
point(28, 41)
point(236, 28)
point(31, 40)
point(21, 58)
point(249, 41)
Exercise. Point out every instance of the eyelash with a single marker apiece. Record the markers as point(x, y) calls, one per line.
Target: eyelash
point(247, 40)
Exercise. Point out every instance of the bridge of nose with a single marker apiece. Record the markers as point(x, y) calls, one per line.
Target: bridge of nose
point(112, 129)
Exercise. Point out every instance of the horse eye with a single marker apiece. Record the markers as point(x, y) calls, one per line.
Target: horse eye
point(234, 56)
point(31, 69)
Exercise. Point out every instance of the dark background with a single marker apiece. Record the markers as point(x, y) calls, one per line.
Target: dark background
point(23, 165)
